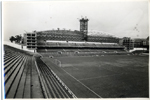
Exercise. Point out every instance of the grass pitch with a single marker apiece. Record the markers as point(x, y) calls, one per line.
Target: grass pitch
point(109, 76)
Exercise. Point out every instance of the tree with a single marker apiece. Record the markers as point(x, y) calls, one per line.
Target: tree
point(18, 38)
point(12, 38)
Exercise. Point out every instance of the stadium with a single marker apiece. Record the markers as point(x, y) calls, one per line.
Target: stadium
point(74, 64)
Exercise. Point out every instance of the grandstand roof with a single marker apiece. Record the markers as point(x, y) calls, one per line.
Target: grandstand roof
point(99, 33)
point(90, 32)
point(61, 31)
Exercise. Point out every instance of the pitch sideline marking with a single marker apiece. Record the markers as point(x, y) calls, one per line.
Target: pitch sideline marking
point(82, 84)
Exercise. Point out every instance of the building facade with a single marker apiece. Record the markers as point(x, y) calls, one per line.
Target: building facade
point(128, 43)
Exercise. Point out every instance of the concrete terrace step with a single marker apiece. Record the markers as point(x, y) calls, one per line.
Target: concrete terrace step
point(13, 61)
point(55, 89)
point(14, 86)
point(13, 58)
point(20, 90)
point(8, 58)
point(12, 78)
point(21, 76)
point(11, 69)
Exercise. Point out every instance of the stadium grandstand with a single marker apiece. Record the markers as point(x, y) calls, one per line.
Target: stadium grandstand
point(24, 75)
point(63, 40)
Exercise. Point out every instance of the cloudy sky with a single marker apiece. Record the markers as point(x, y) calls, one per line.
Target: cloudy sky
point(119, 18)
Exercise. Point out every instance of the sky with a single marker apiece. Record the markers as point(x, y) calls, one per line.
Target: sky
point(117, 18)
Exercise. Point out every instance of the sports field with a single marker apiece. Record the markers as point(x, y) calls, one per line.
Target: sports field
point(114, 76)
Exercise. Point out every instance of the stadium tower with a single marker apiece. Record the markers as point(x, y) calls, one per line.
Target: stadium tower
point(84, 27)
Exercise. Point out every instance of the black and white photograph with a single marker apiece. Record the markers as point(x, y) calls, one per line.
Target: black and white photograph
point(87, 49)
